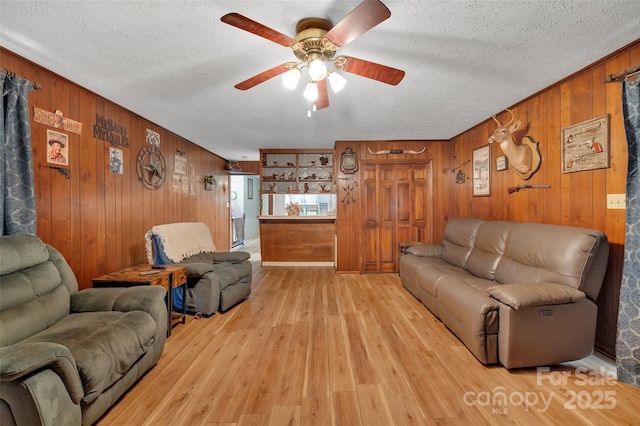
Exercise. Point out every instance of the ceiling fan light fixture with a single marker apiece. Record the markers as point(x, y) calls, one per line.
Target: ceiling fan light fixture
point(317, 70)
point(311, 91)
point(291, 78)
point(336, 81)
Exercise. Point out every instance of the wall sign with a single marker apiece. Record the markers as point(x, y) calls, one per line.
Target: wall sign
point(151, 167)
point(57, 120)
point(111, 132)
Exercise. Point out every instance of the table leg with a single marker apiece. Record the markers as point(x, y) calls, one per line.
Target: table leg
point(169, 305)
point(184, 303)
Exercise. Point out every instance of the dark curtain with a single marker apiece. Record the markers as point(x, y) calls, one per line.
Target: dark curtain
point(17, 200)
point(628, 337)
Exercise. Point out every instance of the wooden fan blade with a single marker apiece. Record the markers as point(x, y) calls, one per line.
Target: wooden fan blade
point(262, 77)
point(365, 16)
point(382, 73)
point(323, 95)
point(258, 29)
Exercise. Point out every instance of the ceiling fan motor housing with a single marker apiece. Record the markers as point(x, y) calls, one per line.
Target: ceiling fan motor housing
point(311, 42)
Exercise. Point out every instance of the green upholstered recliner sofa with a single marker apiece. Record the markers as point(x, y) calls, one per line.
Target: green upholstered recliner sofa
point(66, 355)
point(216, 280)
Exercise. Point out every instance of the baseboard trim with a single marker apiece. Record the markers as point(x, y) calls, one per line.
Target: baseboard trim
point(297, 263)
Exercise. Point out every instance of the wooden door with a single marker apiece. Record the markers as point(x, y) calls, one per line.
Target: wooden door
point(395, 199)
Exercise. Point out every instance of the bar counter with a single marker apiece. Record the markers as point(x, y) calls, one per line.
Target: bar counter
point(297, 240)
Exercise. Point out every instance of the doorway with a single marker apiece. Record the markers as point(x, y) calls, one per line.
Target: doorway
point(244, 207)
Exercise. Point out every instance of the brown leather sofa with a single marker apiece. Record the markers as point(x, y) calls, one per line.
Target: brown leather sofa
point(521, 294)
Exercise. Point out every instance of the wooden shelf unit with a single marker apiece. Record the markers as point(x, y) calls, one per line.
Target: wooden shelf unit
point(285, 171)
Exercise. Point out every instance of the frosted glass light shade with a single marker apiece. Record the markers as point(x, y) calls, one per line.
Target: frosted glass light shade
point(317, 70)
point(336, 81)
point(311, 91)
point(291, 78)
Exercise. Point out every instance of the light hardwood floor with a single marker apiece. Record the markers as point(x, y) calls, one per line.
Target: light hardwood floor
point(310, 347)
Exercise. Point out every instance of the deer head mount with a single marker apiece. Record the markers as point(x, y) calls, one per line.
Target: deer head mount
point(525, 156)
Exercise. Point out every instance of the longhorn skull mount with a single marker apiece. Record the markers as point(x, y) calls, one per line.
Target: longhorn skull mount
point(524, 156)
point(397, 151)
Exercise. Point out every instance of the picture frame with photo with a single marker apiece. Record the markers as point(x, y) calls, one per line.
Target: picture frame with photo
point(585, 146)
point(179, 164)
point(57, 148)
point(481, 171)
point(502, 163)
point(116, 161)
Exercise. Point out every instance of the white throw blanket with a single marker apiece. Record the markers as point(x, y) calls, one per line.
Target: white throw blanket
point(181, 240)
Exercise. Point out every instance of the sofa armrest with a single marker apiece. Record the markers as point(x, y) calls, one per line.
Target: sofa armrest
point(525, 295)
point(425, 250)
point(137, 298)
point(22, 359)
point(230, 256)
point(197, 270)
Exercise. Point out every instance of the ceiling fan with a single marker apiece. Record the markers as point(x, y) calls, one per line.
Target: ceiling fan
point(315, 45)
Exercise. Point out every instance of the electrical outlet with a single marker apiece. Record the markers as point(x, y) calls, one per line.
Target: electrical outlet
point(616, 201)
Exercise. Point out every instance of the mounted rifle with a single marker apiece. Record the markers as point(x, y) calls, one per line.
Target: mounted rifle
point(523, 187)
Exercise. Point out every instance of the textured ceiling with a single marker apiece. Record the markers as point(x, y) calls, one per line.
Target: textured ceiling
point(175, 63)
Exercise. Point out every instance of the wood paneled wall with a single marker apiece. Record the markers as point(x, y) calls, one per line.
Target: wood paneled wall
point(576, 199)
point(98, 219)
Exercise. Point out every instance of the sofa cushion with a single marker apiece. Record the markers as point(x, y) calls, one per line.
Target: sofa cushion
point(458, 239)
point(36, 289)
point(104, 345)
point(432, 272)
point(538, 253)
point(488, 248)
point(19, 252)
point(230, 273)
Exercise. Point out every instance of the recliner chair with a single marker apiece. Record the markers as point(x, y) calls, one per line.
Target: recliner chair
point(67, 355)
point(216, 281)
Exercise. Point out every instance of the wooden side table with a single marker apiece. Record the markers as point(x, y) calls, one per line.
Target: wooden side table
point(170, 277)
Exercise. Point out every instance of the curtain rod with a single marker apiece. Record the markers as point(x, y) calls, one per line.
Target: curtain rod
point(35, 84)
point(614, 78)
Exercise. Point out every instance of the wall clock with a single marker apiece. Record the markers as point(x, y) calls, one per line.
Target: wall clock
point(151, 167)
point(349, 161)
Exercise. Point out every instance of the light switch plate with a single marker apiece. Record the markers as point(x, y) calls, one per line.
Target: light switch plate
point(616, 201)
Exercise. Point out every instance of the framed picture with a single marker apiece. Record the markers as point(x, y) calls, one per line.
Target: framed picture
point(153, 137)
point(250, 189)
point(585, 146)
point(481, 171)
point(116, 163)
point(502, 163)
point(179, 164)
point(57, 148)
